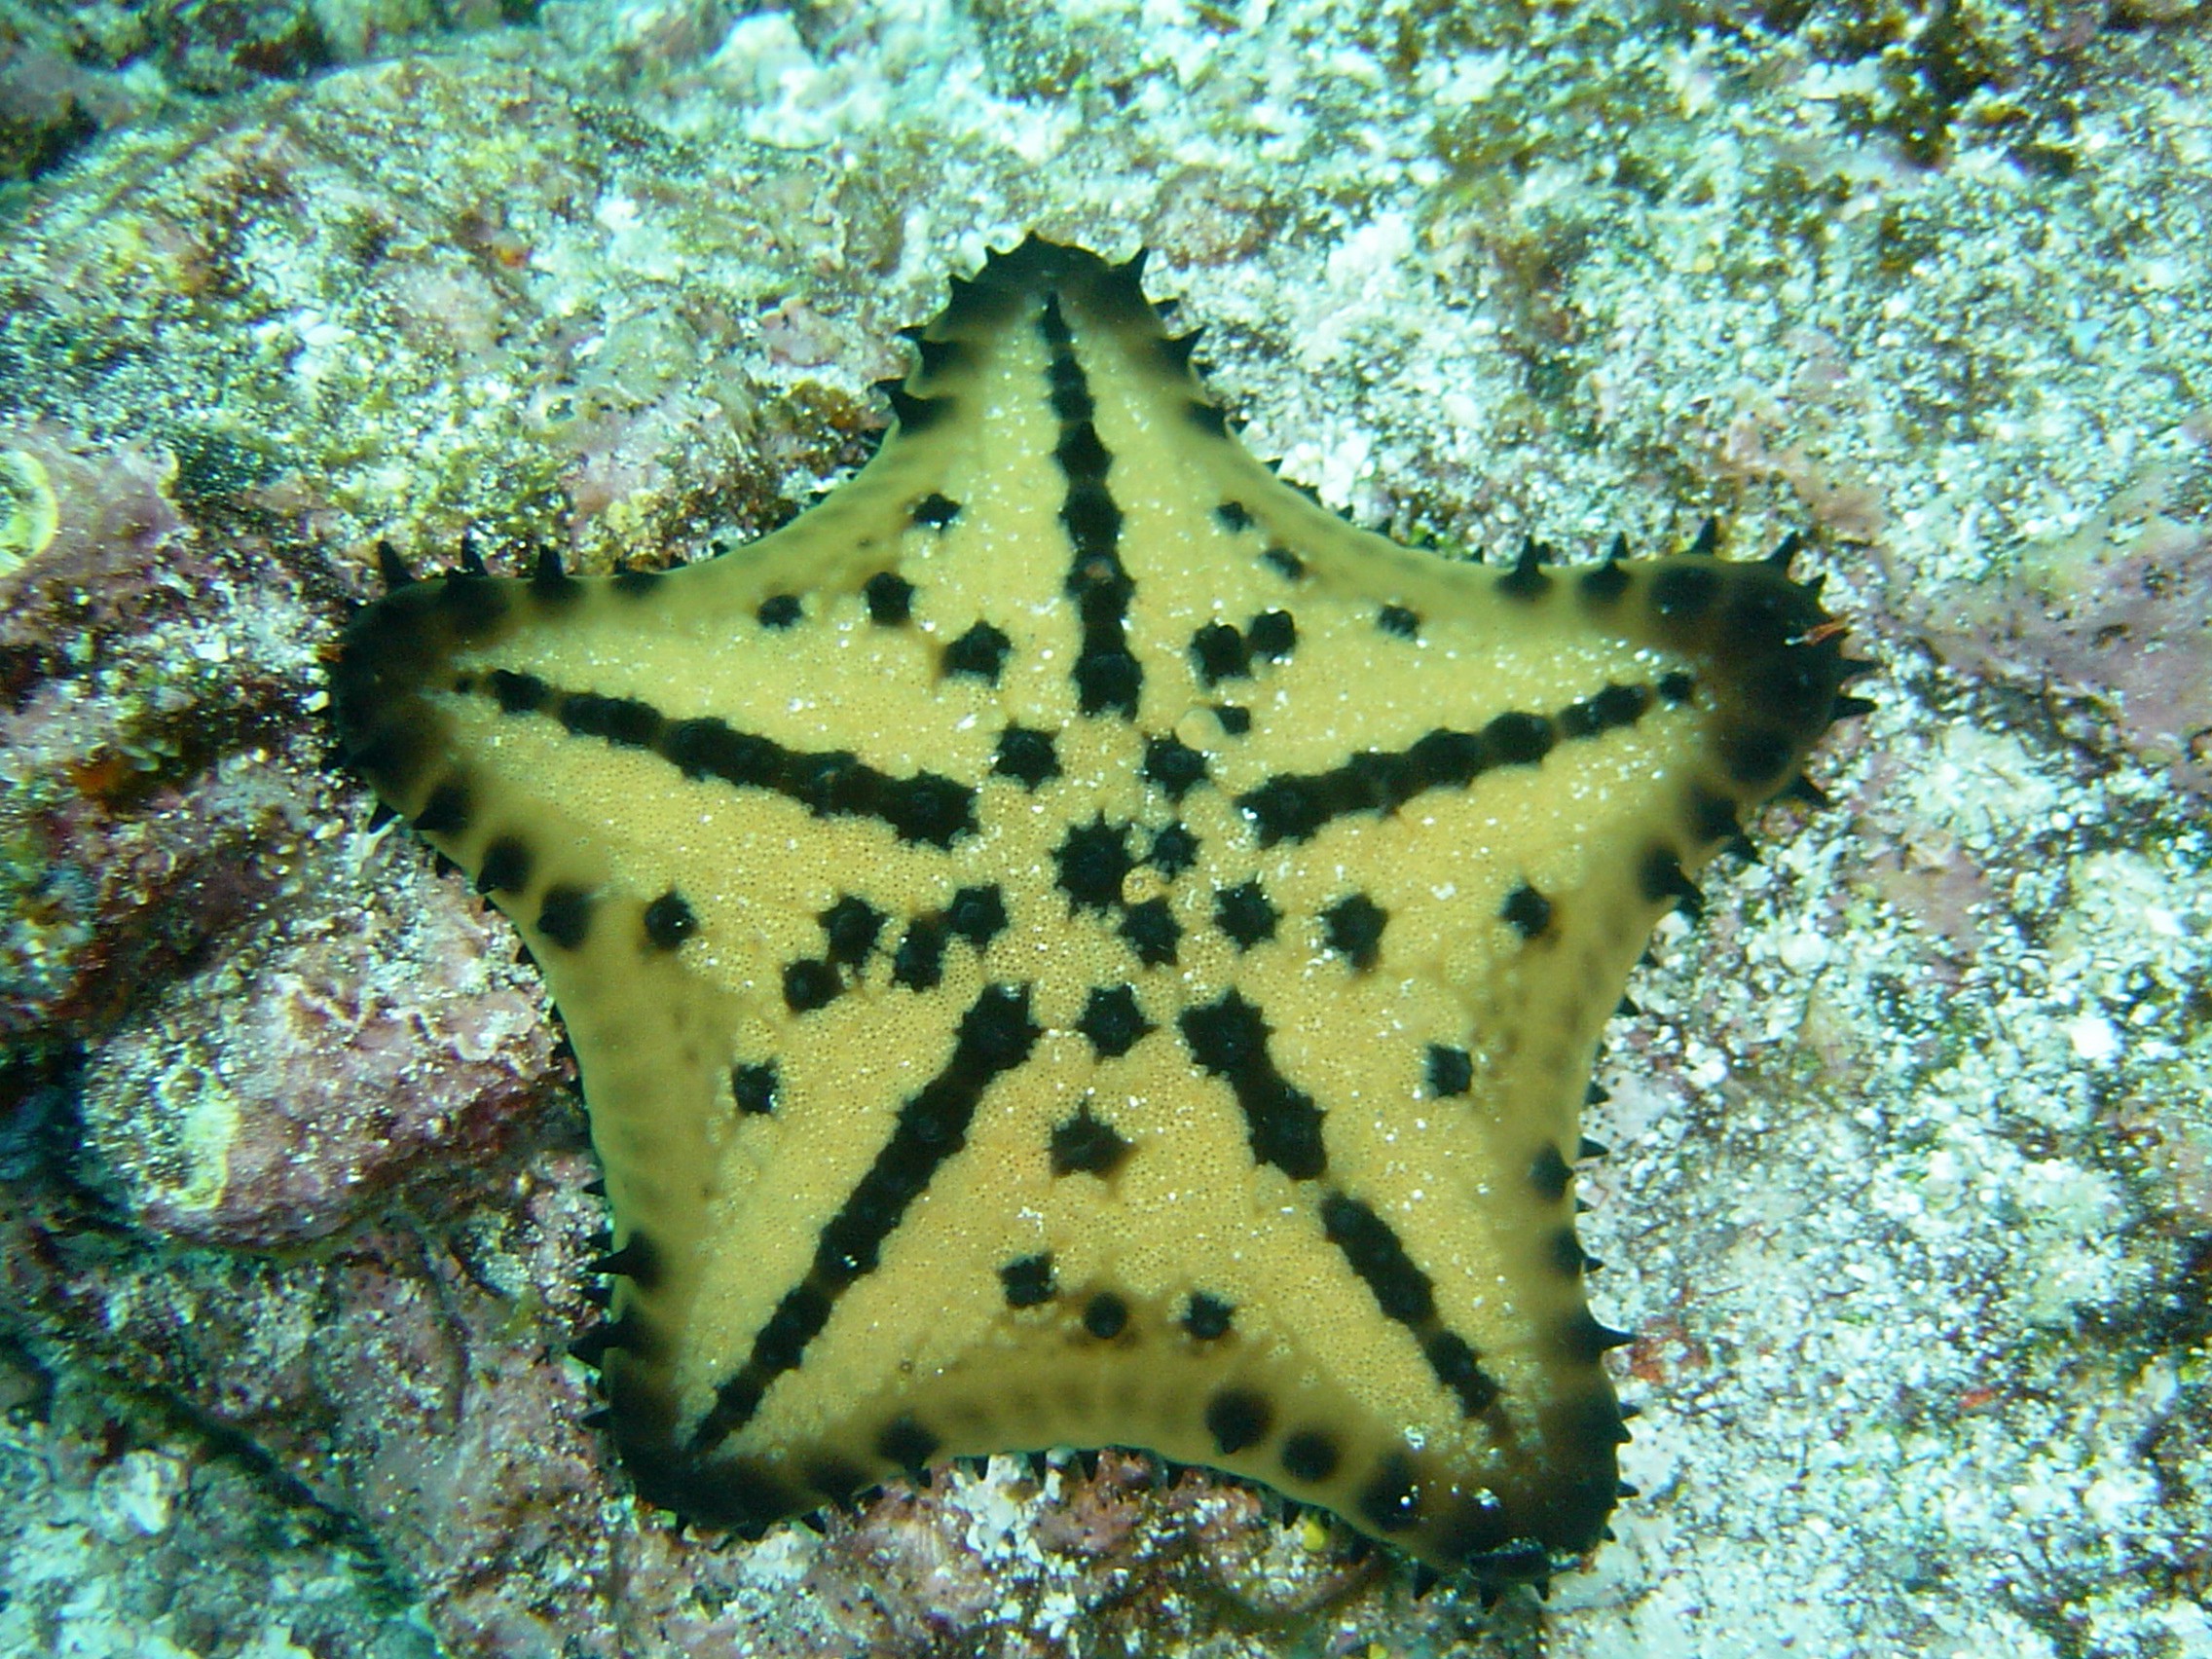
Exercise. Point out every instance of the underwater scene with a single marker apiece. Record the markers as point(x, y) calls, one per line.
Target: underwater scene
point(981, 830)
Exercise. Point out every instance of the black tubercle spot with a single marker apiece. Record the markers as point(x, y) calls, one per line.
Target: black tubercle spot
point(1550, 1173)
point(1028, 1281)
point(1219, 652)
point(505, 868)
point(979, 652)
point(1237, 1419)
point(1087, 1145)
point(1391, 1500)
point(809, 984)
point(918, 964)
point(1451, 1071)
point(778, 611)
point(1396, 619)
point(1272, 633)
point(1675, 685)
point(1233, 721)
point(1093, 861)
point(1284, 563)
point(850, 928)
point(1527, 580)
point(1581, 1336)
point(1661, 880)
point(1105, 1315)
point(907, 1443)
point(1174, 851)
point(1113, 1022)
point(1353, 929)
point(1173, 765)
point(564, 916)
point(1683, 593)
point(1151, 930)
point(1208, 1319)
point(1233, 516)
point(1026, 755)
point(1309, 1455)
point(1606, 583)
point(1528, 912)
point(936, 511)
point(1245, 914)
point(890, 599)
point(753, 1087)
point(1229, 1038)
point(669, 921)
point(446, 812)
point(978, 914)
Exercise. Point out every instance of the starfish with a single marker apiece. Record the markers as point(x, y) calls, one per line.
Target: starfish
point(1068, 943)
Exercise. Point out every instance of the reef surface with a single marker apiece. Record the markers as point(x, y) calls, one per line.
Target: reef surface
point(1911, 1191)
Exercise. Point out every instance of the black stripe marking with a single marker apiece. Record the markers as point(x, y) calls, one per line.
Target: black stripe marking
point(1107, 672)
point(1407, 1294)
point(1297, 806)
point(828, 782)
point(1229, 1038)
point(996, 1036)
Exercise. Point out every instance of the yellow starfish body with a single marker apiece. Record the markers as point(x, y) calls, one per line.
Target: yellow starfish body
point(1068, 943)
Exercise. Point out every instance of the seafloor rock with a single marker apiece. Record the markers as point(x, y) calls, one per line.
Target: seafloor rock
point(1913, 1139)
